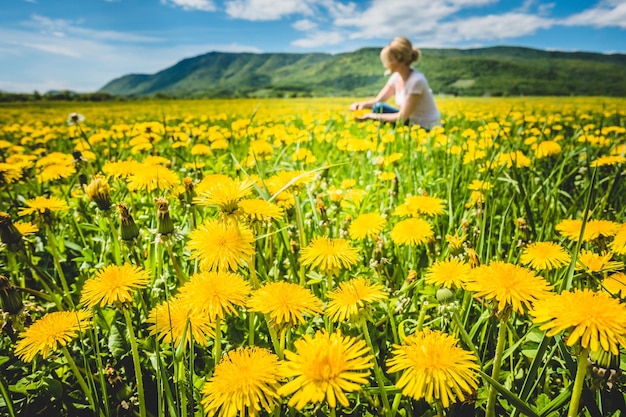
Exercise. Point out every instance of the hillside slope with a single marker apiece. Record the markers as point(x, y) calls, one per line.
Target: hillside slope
point(483, 71)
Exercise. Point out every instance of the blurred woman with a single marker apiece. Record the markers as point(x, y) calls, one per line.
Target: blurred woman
point(409, 86)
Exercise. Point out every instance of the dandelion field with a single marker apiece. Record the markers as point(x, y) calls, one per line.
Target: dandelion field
point(276, 257)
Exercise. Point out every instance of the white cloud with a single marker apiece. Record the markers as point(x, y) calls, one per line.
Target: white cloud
point(409, 18)
point(304, 25)
point(85, 59)
point(266, 9)
point(317, 39)
point(606, 14)
point(493, 27)
point(61, 27)
point(204, 5)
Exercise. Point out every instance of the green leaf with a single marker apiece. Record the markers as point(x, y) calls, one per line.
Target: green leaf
point(510, 397)
point(117, 342)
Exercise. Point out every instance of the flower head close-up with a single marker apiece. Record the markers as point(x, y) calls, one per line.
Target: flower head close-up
point(593, 319)
point(367, 226)
point(114, 285)
point(451, 273)
point(542, 256)
point(49, 333)
point(351, 297)
point(245, 382)
point(172, 320)
point(507, 285)
point(216, 293)
point(325, 367)
point(221, 245)
point(434, 367)
point(42, 205)
point(285, 303)
point(329, 255)
point(413, 231)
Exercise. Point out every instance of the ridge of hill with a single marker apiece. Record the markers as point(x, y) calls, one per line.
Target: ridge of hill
point(497, 71)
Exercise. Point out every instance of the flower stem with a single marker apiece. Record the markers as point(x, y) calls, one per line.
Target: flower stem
point(464, 335)
point(377, 371)
point(115, 241)
point(137, 363)
point(79, 377)
point(577, 390)
point(274, 337)
point(170, 252)
point(217, 347)
point(57, 263)
point(495, 372)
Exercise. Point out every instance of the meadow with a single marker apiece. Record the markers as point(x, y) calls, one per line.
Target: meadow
point(276, 257)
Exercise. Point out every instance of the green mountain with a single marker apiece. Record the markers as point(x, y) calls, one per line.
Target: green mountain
point(486, 71)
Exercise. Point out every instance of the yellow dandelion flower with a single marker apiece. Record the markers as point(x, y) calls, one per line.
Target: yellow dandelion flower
point(114, 285)
point(594, 229)
point(597, 262)
point(608, 160)
point(245, 382)
point(222, 246)
point(149, 177)
point(26, 228)
point(285, 303)
point(351, 297)
point(367, 226)
point(325, 367)
point(260, 210)
point(435, 367)
point(10, 173)
point(479, 185)
point(451, 273)
point(387, 176)
point(329, 255)
point(417, 205)
point(99, 191)
point(348, 183)
point(615, 284)
point(215, 293)
point(56, 172)
point(516, 158)
point(456, 241)
point(594, 319)
point(50, 332)
point(224, 193)
point(43, 205)
point(413, 231)
point(618, 245)
point(121, 169)
point(547, 148)
point(507, 284)
point(542, 256)
point(172, 319)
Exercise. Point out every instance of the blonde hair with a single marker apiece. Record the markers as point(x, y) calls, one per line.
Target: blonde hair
point(400, 50)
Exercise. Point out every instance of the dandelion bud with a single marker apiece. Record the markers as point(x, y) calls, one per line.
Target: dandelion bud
point(74, 118)
point(190, 192)
point(165, 225)
point(10, 299)
point(128, 229)
point(445, 296)
point(9, 235)
point(99, 192)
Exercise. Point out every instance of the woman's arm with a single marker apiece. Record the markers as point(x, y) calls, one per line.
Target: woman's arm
point(404, 114)
point(385, 93)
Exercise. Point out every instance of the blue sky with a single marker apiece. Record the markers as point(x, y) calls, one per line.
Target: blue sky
point(82, 44)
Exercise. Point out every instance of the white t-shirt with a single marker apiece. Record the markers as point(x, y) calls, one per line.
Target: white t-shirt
point(425, 113)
